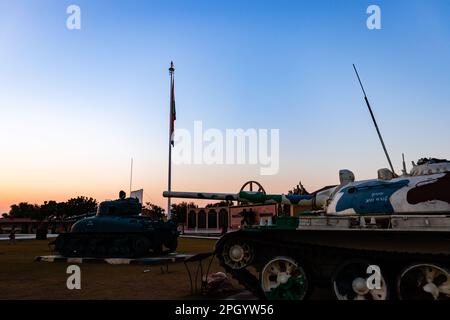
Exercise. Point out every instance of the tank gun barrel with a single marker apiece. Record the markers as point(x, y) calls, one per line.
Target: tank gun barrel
point(244, 196)
point(201, 195)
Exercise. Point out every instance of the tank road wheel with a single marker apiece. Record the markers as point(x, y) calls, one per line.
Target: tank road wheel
point(124, 250)
point(91, 248)
point(141, 246)
point(350, 283)
point(117, 249)
point(171, 244)
point(283, 279)
point(424, 282)
point(73, 248)
point(158, 249)
point(101, 250)
point(59, 244)
point(237, 254)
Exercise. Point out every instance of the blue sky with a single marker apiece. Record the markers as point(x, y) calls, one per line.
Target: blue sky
point(76, 105)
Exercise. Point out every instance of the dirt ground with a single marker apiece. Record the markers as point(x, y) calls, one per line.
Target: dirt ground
point(23, 278)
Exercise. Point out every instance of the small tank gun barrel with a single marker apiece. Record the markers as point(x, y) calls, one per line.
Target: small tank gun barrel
point(79, 217)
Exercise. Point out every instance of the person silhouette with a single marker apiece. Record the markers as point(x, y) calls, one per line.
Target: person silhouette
point(244, 217)
point(12, 235)
point(251, 217)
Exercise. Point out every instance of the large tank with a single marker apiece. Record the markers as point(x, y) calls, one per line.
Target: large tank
point(385, 238)
point(118, 230)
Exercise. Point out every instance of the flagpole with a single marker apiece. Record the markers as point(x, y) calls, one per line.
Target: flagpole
point(169, 184)
point(131, 176)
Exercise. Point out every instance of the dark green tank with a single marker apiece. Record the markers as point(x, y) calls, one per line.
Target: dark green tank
point(118, 230)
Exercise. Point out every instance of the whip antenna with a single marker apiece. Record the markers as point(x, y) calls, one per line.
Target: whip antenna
point(375, 122)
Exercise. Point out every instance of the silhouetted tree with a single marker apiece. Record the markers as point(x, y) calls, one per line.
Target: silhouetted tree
point(5, 215)
point(53, 209)
point(49, 209)
point(62, 210)
point(223, 203)
point(179, 211)
point(25, 210)
point(298, 189)
point(80, 205)
point(152, 210)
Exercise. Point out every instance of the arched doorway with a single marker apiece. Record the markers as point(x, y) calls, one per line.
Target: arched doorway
point(212, 219)
point(191, 220)
point(202, 219)
point(223, 218)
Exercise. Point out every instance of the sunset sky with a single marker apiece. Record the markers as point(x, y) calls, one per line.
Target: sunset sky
point(76, 105)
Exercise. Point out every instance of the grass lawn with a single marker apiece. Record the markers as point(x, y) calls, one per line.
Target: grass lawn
point(23, 278)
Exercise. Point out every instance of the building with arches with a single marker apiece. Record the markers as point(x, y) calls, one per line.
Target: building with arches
point(216, 220)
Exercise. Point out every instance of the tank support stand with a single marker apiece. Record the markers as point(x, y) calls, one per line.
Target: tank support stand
point(199, 271)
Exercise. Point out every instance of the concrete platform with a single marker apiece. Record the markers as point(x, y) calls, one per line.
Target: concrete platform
point(157, 260)
point(199, 236)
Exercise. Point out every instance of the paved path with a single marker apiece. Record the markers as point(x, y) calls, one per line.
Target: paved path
point(23, 236)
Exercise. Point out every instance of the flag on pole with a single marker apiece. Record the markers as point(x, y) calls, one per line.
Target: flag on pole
point(171, 133)
point(173, 116)
point(138, 194)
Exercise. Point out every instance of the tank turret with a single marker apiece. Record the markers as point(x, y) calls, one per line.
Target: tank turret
point(424, 190)
point(117, 230)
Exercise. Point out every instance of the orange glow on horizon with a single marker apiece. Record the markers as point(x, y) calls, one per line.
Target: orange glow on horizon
point(37, 188)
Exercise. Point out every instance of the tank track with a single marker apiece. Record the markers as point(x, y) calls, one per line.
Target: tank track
point(393, 262)
point(114, 245)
